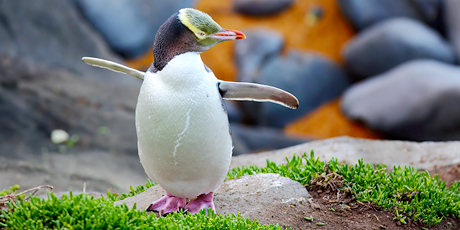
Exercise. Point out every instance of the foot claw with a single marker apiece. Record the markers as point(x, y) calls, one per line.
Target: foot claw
point(167, 204)
point(202, 201)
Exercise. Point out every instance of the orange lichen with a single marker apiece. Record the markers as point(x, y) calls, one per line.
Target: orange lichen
point(143, 62)
point(328, 121)
point(326, 35)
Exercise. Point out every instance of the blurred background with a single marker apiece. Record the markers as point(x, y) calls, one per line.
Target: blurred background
point(375, 69)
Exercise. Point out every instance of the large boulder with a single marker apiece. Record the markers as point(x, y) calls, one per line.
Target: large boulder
point(257, 139)
point(251, 54)
point(97, 171)
point(260, 46)
point(452, 18)
point(44, 85)
point(261, 7)
point(364, 13)
point(312, 78)
point(417, 101)
point(264, 197)
point(31, 33)
point(393, 42)
point(129, 26)
point(424, 155)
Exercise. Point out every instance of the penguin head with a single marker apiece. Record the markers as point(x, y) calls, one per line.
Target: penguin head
point(188, 30)
point(206, 31)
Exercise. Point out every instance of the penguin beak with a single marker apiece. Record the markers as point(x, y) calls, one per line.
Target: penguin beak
point(226, 35)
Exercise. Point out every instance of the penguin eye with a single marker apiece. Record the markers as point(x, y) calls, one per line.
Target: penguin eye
point(200, 34)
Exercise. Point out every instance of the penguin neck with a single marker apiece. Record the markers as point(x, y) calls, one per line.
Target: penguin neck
point(172, 39)
point(184, 69)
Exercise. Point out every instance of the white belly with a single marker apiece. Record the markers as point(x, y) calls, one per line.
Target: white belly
point(183, 131)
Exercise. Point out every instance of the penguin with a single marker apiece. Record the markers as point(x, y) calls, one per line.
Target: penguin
point(182, 126)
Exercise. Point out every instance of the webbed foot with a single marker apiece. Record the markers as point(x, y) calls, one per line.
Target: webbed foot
point(167, 204)
point(202, 201)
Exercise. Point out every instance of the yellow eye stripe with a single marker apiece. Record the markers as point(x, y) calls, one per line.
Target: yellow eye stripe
point(184, 19)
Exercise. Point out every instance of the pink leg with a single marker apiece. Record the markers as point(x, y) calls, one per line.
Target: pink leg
point(167, 204)
point(202, 201)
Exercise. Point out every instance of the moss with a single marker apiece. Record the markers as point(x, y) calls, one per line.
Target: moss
point(85, 212)
point(411, 194)
point(405, 190)
point(12, 189)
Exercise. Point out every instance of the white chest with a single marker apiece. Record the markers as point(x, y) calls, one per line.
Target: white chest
point(183, 131)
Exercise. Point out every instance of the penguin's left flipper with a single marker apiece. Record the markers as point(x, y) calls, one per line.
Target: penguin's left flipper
point(113, 66)
point(244, 91)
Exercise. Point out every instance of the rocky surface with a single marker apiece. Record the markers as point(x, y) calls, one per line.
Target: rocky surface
point(312, 78)
point(417, 101)
point(261, 7)
point(251, 55)
point(424, 155)
point(254, 197)
point(328, 121)
point(256, 139)
point(364, 13)
point(29, 33)
point(233, 111)
point(97, 171)
point(272, 199)
point(129, 26)
point(452, 18)
point(260, 46)
point(327, 36)
point(44, 85)
point(393, 42)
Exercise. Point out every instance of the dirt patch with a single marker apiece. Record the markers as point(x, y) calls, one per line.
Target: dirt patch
point(272, 199)
point(347, 213)
point(338, 209)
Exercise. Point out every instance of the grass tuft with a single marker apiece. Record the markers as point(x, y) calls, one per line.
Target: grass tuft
point(85, 212)
point(11, 190)
point(411, 194)
point(132, 192)
point(405, 190)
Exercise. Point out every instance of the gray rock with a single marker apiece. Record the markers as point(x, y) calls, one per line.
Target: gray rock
point(392, 42)
point(424, 155)
point(364, 13)
point(417, 101)
point(233, 111)
point(257, 139)
point(312, 78)
point(44, 85)
point(261, 7)
point(31, 33)
point(129, 26)
point(239, 146)
point(430, 9)
point(452, 19)
point(254, 197)
point(251, 54)
point(98, 171)
point(260, 46)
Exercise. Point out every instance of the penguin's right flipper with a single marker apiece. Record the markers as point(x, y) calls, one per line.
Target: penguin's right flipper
point(113, 66)
point(245, 91)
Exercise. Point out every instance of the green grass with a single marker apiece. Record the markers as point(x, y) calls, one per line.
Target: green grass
point(404, 190)
point(12, 189)
point(85, 212)
point(132, 192)
point(409, 193)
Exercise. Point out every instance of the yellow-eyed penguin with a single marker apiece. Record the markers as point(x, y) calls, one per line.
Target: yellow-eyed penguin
point(182, 126)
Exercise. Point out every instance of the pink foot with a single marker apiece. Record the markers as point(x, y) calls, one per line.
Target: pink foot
point(167, 204)
point(203, 201)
